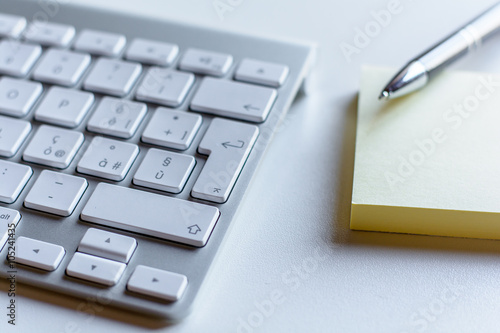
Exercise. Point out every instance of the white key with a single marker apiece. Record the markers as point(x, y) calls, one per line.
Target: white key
point(11, 25)
point(38, 254)
point(117, 117)
point(113, 77)
point(228, 144)
point(61, 67)
point(151, 214)
point(52, 146)
point(16, 58)
point(64, 107)
point(98, 270)
point(206, 62)
point(152, 52)
point(165, 86)
point(172, 129)
point(13, 132)
point(233, 99)
point(100, 43)
point(9, 220)
point(56, 193)
point(107, 245)
point(164, 170)
point(157, 283)
point(13, 178)
point(108, 158)
point(18, 96)
point(260, 72)
point(50, 34)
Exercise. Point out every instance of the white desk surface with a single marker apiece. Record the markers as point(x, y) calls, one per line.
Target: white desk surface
point(299, 201)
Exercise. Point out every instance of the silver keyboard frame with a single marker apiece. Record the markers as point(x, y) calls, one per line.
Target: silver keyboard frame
point(190, 261)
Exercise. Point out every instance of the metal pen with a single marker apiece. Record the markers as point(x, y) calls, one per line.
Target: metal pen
point(424, 67)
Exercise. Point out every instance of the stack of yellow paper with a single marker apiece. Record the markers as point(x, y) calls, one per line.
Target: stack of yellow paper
point(429, 163)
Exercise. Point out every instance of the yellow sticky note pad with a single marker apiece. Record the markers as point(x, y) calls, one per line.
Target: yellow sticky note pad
point(429, 163)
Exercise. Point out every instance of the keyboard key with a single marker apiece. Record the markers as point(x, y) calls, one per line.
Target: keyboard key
point(157, 283)
point(164, 171)
point(260, 72)
point(11, 25)
point(38, 254)
point(9, 220)
point(13, 177)
point(206, 62)
point(107, 245)
point(100, 43)
point(108, 158)
point(233, 99)
point(172, 129)
point(61, 67)
point(54, 147)
point(64, 107)
point(16, 58)
point(98, 270)
point(13, 132)
point(117, 117)
point(151, 214)
point(113, 77)
point(228, 144)
point(56, 193)
point(152, 52)
point(50, 34)
point(165, 86)
point(18, 96)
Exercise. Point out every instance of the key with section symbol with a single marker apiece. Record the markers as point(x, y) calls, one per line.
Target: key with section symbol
point(164, 170)
point(228, 144)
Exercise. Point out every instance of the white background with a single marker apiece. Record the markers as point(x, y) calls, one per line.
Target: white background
point(299, 202)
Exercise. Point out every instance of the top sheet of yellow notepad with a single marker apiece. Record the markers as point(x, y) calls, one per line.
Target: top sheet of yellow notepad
point(429, 163)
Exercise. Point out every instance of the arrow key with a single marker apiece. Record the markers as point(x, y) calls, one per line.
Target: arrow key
point(38, 254)
point(95, 269)
point(107, 245)
point(157, 283)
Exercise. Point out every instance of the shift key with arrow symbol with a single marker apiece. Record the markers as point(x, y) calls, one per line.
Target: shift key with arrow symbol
point(228, 144)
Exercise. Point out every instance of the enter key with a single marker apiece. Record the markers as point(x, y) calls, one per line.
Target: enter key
point(228, 144)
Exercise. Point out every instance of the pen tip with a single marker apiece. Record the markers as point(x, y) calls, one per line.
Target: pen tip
point(384, 95)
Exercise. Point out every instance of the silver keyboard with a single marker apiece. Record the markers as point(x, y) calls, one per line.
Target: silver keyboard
point(126, 146)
